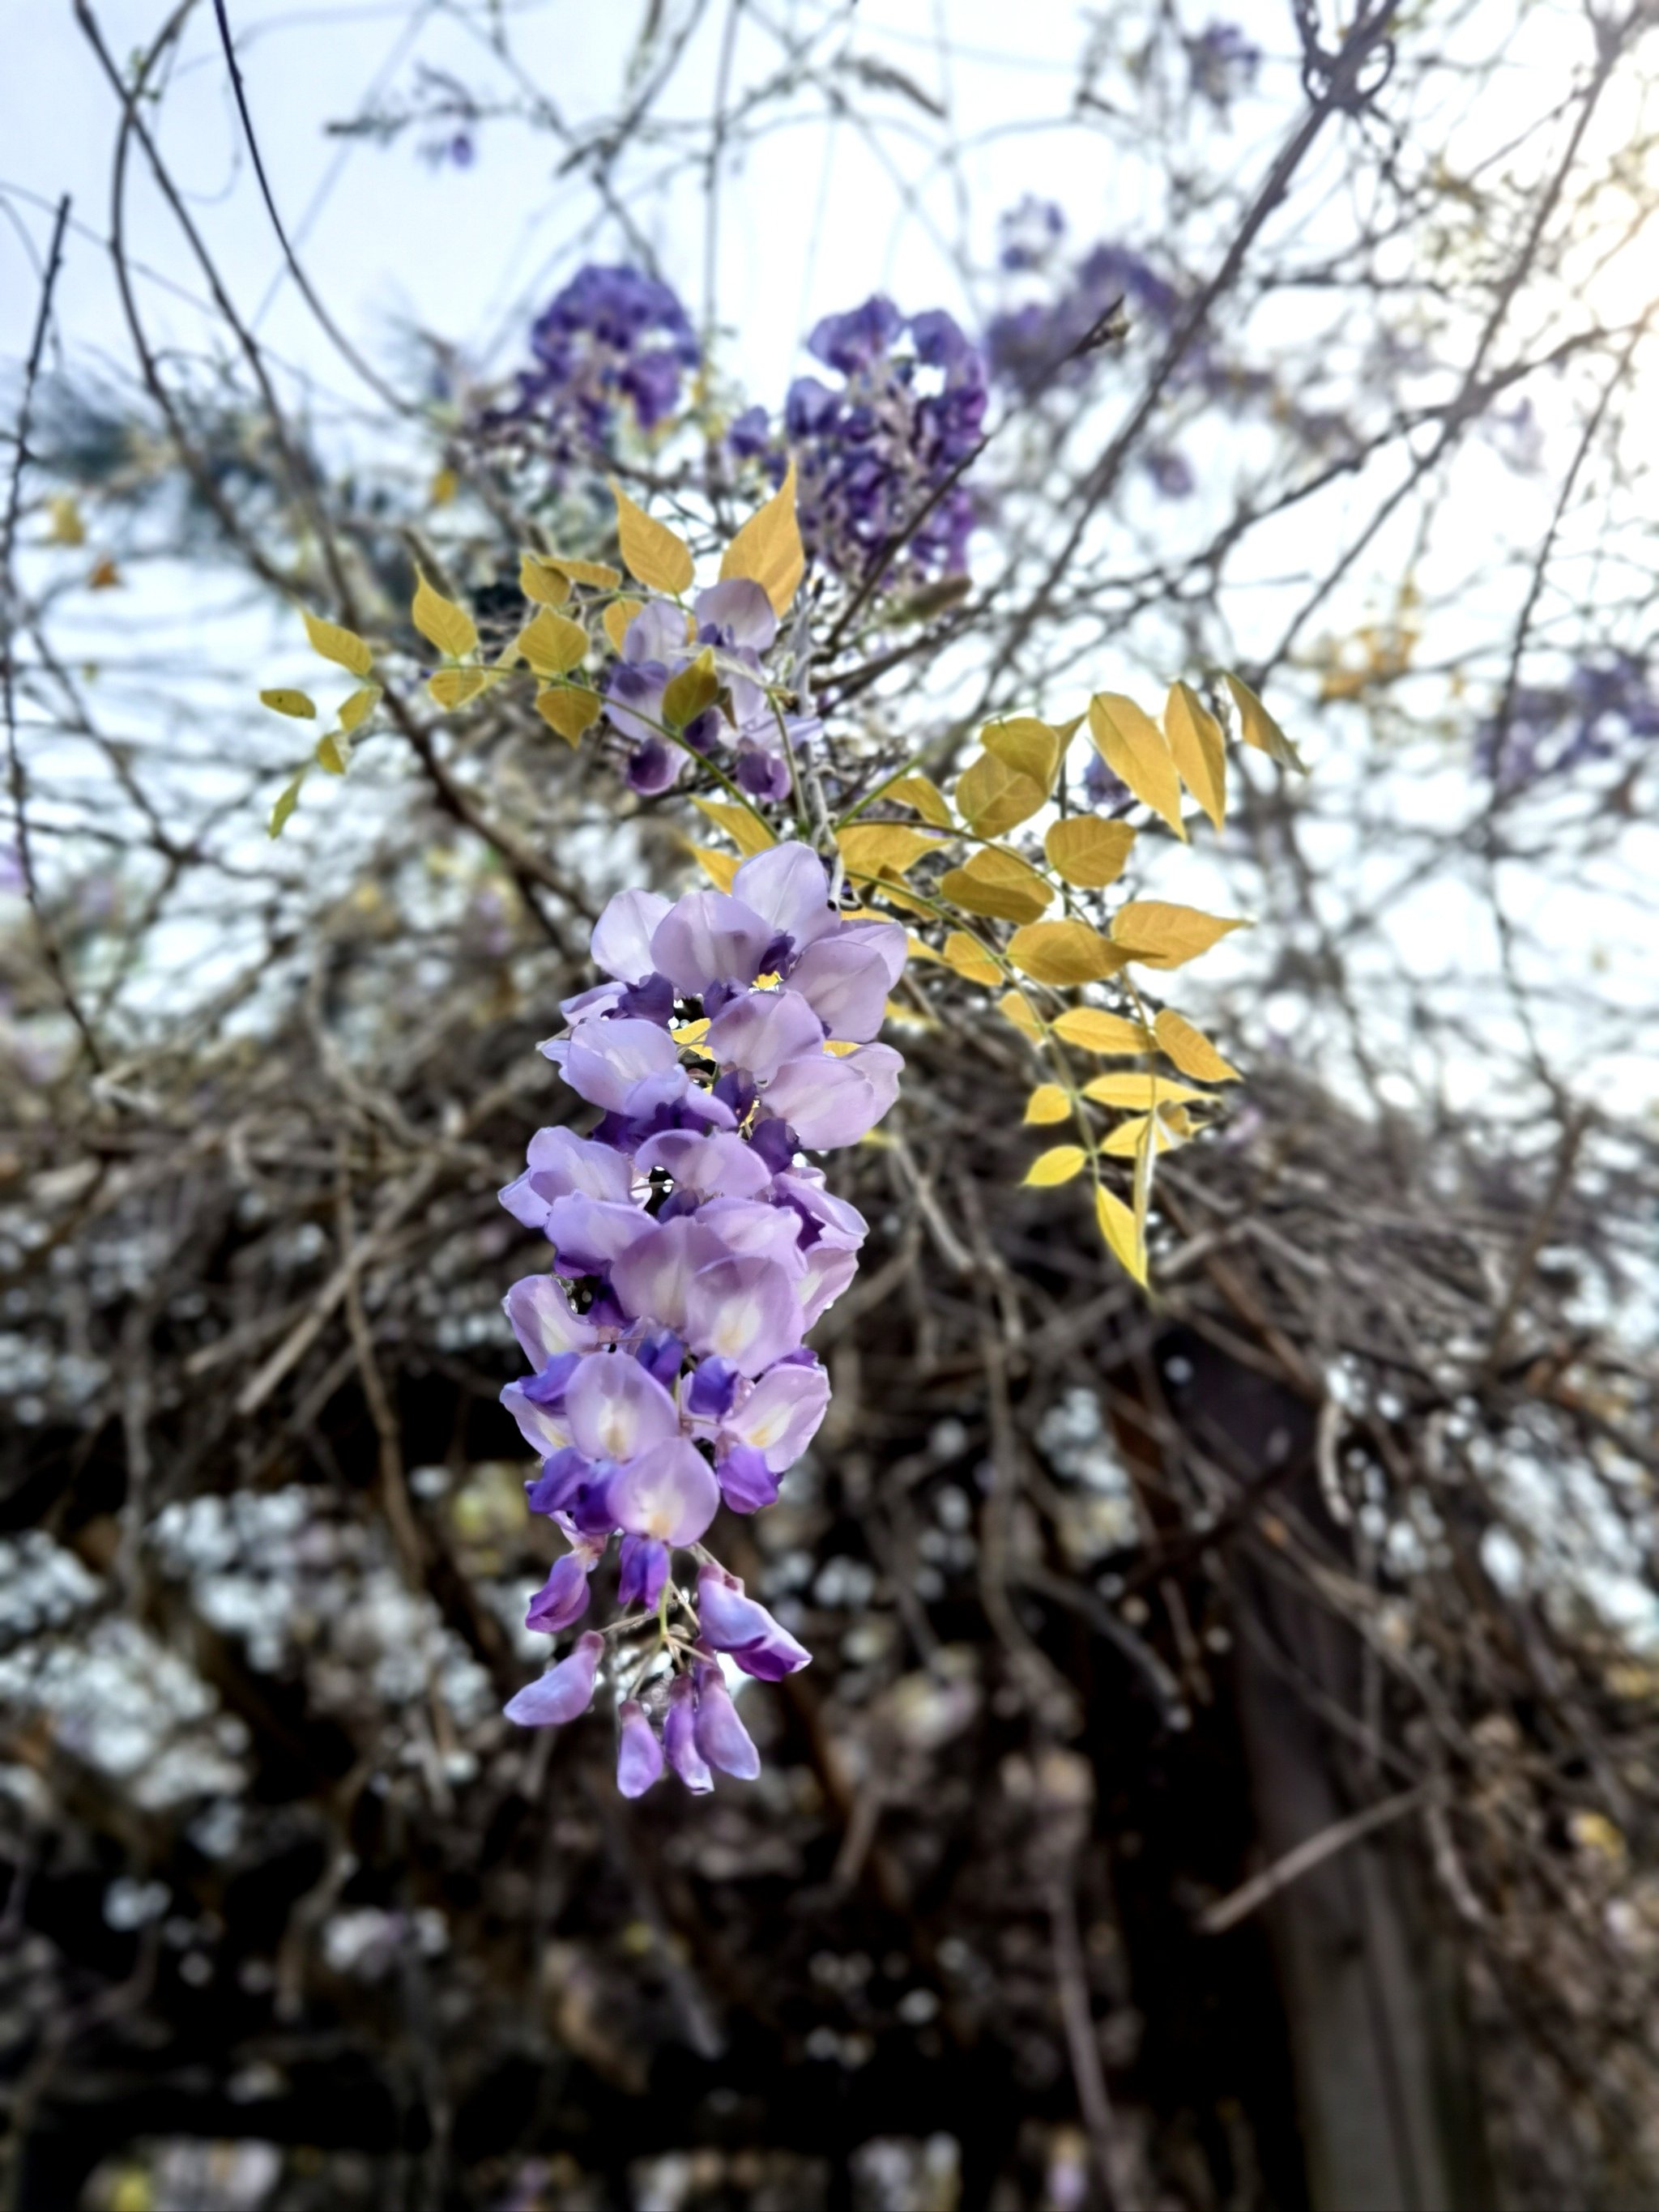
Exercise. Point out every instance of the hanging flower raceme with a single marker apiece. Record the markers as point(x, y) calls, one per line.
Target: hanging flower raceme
point(693, 1249)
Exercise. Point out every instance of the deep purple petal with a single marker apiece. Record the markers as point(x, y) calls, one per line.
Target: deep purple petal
point(638, 1755)
point(719, 1736)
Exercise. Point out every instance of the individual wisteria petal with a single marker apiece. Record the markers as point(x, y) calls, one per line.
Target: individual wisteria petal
point(828, 1102)
point(564, 1475)
point(669, 1492)
point(563, 1691)
point(538, 1307)
point(828, 1272)
point(742, 1625)
point(786, 885)
point(679, 1736)
point(622, 933)
point(543, 1431)
point(708, 938)
point(780, 1415)
point(744, 1310)
point(653, 1276)
point(846, 985)
point(590, 1234)
point(563, 1597)
point(605, 1059)
point(762, 1029)
point(740, 610)
point(559, 1163)
point(718, 1165)
point(641, 1570)
point(616, 1409)
point(718, 1733)
point(638, 1755)
point(746, 1482)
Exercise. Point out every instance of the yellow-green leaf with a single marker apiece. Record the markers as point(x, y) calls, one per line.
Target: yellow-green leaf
point(440, 621)
point(1123, 1239)
point(458, 687)
point(1047, 1102)
point(599, 573)
point(921, 792)
point(1013, 1007)
point(1158, 935)
point(332, 753)
point(1134, 748)
point(568, 712)
point(359, 707)
point(1257, 727)
point(1087, 851)
point(298, 704)
point(288, 799)
point(1191, 1050)
point(1095, 1031)
point(746, 831)
point(997, 885)
point(687, 693)
point(1057, 1166)
point(917, 948)
point(1141, 1092)
point(1030, 748)
point(768, 549)
point(342, 647)
point(552, 644)
point(542, 580)
point(650, 550)
point(616, 618)
point(67, 527)
point(875, 849)
point(1063, 952)
point(719, 867)
point(970, 958)
point(992, 797)
point(1198, 750)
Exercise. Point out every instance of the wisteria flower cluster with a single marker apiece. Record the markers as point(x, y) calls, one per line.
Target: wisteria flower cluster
point(693, 1249)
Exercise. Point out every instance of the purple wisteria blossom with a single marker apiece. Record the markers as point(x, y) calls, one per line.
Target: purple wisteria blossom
point(1221, 64)
point(611, 350)
point(694, 1247)
point(874, 450)
point(734, 622)
point(1605, 709)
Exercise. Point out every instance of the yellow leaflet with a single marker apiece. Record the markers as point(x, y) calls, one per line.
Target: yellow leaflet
point(552, 644)
point(297, 703)
point(690, 691)
point(1057, 1166)
point(839, 1047)
point(688, 1032)
point(1013, 1008)
point(650, 550)
point(616, 618)
point(1124, 1142)
point(916, 947)
point(288, 799)
point(443, 488)
point(1162, 936)
point(1030, 748)
point(67, 527)
point(458, 687)
point(440, 621)
point(568, 713)
point(1123, 1239)
point(1047, 1102)
point(599, 573)
point(1141, 1091)
point(1198, 750)
point(1257, 727)
point(1087, 851)
point(719, 867)
point(921, 792)
point(342, 647)
point(768, 549)
point(331, 754)
point(970, 958)
point(1063, 952)
point(748, 834)
point(1191, 1050)
point(913, 1017)
point(1133, 748)
point(359, 707)
point(873, 849)
point(541, 580)
point(992, 797)
point(997, 885)
point(1096, 1032)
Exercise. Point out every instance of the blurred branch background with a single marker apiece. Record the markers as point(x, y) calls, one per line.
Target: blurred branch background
point(1227, 1778)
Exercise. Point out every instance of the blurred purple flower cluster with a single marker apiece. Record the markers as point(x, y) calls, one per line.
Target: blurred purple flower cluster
point(693, 1249)
point(1552, 729)
point(613, 347)
point(734, 621)
point(875, 452)
point(1221, 64)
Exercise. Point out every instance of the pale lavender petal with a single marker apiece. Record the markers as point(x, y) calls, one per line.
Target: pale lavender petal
point(679, 1737)
point(885, 939)
point(786, 884)
point(563, 1161)
point(540, 1313)
point(652, 1277)
point(544, 1433)
point(719, 1736)
point(833, 1220)
point(828, 1272)
point(780, 1415)
point(762, 1029)
point(749, 1229)
point(606, 1059)
point(616, 1410)
point(740, 608)
point(656, 633)
point(828, 1101)
point(719, 1166)
point(588, 1236)
point(638, 1755)
point(707, 938)
point(729, 1621)
point(745, 1310)
point(845, 985)
point(563, 1597)
point(669, 1492)
point(563, 1691)
point(621, 935)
